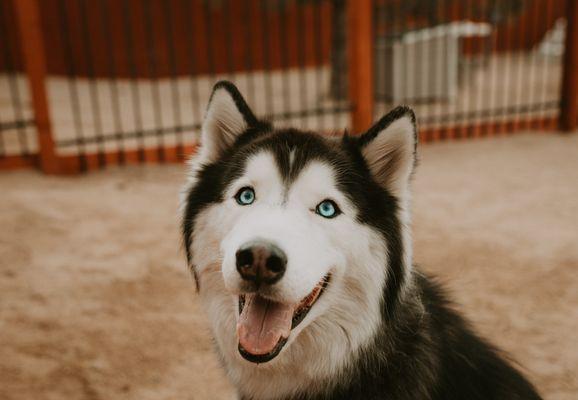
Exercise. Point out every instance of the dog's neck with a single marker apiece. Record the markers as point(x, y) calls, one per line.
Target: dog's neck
point(313, 375)
point(323, 354)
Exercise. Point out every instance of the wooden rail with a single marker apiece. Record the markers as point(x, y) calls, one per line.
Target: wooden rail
point(360, 34)
point(30, 28)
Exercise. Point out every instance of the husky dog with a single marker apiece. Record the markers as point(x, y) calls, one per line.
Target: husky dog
point(301, 250)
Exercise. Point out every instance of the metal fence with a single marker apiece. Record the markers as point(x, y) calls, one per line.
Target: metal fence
point(473, 66)
point(126, 81)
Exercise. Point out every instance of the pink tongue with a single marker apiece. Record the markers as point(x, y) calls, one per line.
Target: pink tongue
point(262, 324)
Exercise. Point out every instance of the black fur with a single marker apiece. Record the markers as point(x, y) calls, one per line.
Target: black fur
point(430, 354)
point(424, 349)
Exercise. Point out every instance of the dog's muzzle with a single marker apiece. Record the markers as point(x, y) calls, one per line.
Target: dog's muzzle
point(264, 325)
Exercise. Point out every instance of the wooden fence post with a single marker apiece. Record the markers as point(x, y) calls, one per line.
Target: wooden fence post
point(361, 47)
point(569, 97)
point(32, 46)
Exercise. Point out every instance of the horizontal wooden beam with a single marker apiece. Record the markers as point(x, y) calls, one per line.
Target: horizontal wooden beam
point(18, 162)
point(74, 164)
point(487, 129)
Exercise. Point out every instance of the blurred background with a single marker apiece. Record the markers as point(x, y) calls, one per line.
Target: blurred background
point(127, 81)
point(95, 300)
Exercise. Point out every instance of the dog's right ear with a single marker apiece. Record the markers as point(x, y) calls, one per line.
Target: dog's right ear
point(227, 117)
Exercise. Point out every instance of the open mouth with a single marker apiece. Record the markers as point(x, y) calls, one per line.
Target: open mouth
point(264, 325)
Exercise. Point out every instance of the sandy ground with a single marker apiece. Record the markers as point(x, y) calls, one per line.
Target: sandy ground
point(96, 302)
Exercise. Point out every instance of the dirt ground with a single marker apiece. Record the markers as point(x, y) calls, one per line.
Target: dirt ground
point(96, 302)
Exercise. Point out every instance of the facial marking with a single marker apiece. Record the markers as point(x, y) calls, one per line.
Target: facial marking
point(284, 213)
point(291, 158)
point(263, 176)
point(316, 183)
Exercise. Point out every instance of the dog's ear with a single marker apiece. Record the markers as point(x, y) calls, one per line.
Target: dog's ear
point(227, 117)
point(389, 148)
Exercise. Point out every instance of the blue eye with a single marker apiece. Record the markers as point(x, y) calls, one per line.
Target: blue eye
point(327, 209)
point(245, 196)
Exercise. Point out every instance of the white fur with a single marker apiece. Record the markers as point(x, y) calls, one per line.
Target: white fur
point(343, 319)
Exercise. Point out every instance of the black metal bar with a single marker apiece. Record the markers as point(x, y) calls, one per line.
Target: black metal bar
point(173, 129)
point(405, 28)
point(521, 53)
point(2, 150)
point(135, 134)
point(438, 70)
point(401, 27)
point(283, 50)
point(408, 26)
point(448, 17)
point(500, 111)
point(3, 25)
point(249, 51)
point(319, 58)
point(193, 67)
point(208, 18)
point(335, 54)
point(301, 46)
point(18, 114)
point(534, 60)
point(546, 65)
point(15, 97)
point(425, 48)
point(135, 97)
point(229, 38)
point(17, 124)
point(507, 68)
point(318, 111)
point(387, 16)
point(175, 98)
point(463, 132)
point(494, 61)
point(485, 60)
point(113, 87)
point(93, 89)
point(72, 88)
point(265, 15)
point(156, 98)
point(414, 101)
point(552, 105)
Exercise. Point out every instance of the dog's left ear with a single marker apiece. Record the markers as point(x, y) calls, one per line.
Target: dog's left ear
point(389, 148)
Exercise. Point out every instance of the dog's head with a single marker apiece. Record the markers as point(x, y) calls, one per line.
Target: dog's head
point(290, 234)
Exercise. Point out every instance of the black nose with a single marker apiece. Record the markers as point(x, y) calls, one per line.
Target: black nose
point(261, 262)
